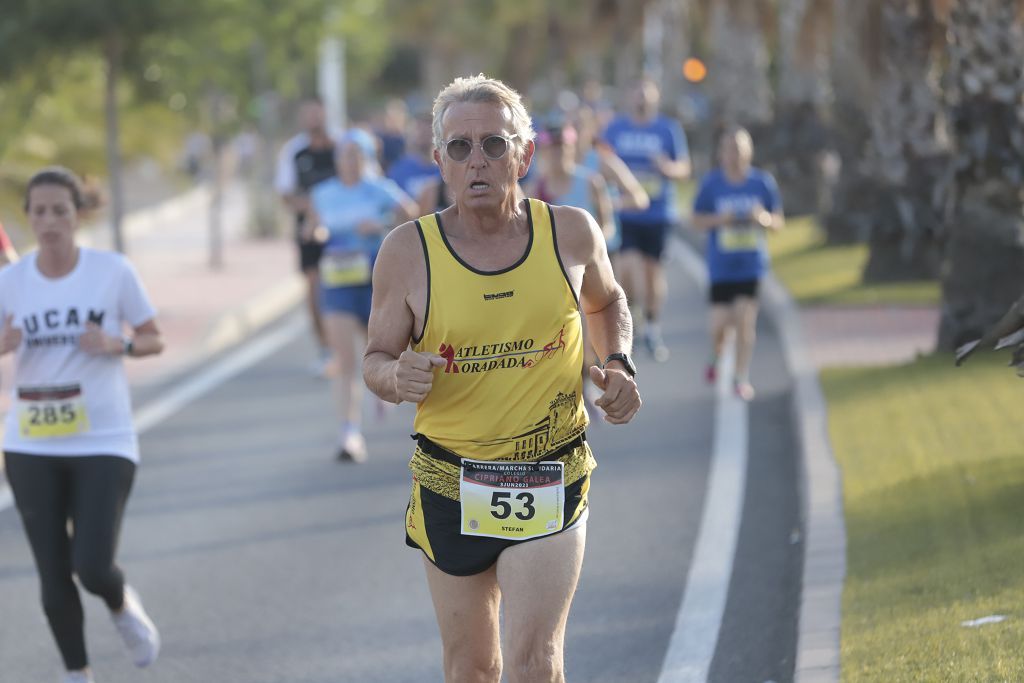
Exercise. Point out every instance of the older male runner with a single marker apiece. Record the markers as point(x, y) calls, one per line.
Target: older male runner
point(489, 293)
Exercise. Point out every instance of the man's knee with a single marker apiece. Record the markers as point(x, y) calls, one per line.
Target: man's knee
point(465, 665)
point(536, 662)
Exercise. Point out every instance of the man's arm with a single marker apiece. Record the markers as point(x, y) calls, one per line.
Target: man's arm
point(673, 169)
point(582, 248)
point(286, 181)
point(602, 202)
point(390, 368)
point(632, 194)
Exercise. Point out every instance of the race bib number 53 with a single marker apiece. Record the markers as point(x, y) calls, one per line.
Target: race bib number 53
point(52, 411)
point(511, 500)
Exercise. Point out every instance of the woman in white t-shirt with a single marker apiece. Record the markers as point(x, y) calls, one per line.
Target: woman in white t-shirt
point(69, 444)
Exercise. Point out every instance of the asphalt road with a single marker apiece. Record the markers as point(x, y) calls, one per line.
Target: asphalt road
point(262, 560)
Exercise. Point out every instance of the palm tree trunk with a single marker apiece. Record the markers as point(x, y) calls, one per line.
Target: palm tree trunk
point(847, 218)
point(984, 270)
point(112, 54)
point(908, 152)
point(797, 144)
point(738, 69)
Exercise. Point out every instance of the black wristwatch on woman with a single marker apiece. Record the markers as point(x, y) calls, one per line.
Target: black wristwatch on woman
point(625, 360)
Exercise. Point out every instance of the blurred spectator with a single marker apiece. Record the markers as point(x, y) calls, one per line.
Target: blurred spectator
point(195, 153)
point(391, 133)
point(416, 168)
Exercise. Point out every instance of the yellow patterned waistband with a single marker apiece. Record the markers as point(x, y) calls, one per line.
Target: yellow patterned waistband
point(443, 477)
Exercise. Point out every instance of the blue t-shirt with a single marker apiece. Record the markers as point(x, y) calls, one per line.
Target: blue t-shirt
point(412, 173)
point(637, 144)
point(343, 207)
point(736, 253)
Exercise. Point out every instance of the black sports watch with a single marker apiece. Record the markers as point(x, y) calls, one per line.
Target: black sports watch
point(625, 360)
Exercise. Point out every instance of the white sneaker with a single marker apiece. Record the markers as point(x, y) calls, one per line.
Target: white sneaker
point(352, 448)
point(77, 677)
point(137, 630)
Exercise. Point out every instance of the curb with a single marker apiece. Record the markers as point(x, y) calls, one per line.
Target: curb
point(821, 503)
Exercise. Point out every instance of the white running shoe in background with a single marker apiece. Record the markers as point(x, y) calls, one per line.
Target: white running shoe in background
point(137, 630)
point(77, 677)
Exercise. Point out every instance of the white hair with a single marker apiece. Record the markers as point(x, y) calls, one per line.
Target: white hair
point(480, 88)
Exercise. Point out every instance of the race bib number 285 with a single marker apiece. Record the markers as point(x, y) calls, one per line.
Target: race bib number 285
point(51, 411)
point(511, 500)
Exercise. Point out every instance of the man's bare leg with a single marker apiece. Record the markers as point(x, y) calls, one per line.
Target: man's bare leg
point(538, 580)
point(467, 614)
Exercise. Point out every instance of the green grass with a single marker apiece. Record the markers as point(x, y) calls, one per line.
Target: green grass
point(818, 274)
point(933, 479)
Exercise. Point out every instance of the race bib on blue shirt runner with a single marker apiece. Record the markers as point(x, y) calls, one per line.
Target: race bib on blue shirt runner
point(739, 238)
point(345, 269)
point(512, 500)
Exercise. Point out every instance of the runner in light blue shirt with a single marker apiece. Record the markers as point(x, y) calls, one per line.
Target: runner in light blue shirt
point(354, 211)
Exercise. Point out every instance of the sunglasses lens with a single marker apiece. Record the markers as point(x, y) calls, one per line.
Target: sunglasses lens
point(494, 146)
point(458, 150)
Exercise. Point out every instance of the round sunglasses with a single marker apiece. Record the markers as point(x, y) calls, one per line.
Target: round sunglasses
point(494, 147)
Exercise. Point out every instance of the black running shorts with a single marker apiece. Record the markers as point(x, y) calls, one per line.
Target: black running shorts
point(727, 292)
point(433, 523)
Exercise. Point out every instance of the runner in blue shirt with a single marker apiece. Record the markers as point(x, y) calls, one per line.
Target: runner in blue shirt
point(737, 205)
point(655, 150)
point(416, 169)
point(353, 213)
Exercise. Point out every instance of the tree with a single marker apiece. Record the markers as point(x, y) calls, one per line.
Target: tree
point(739, 33)
point(797, 144)
point(984, 271)
point(36, 29)
point(908, 152)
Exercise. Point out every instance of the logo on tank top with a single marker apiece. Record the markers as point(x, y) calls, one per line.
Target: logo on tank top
point(558, 427)
point(521, 353)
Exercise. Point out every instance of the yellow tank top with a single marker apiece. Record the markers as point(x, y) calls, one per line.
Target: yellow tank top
point(511, 388)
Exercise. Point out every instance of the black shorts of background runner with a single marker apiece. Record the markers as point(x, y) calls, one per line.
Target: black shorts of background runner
point(727, 292)
point(91, 491)
point(647, 238)
point(309, 254)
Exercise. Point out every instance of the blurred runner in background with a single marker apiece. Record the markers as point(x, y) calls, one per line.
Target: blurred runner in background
point(352, 212)
point(304, 161)
point(654, 148)
point(737, 204)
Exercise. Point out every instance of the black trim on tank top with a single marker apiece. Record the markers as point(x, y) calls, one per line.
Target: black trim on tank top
point(565, 273)
point(521, 261)
point(426, 260)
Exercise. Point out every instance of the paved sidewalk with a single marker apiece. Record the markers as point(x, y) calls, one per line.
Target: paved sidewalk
point(200, 311)
point(868, 335)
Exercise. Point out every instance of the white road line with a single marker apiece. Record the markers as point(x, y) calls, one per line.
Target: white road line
point(692, 646)
point(210, 378)
point(180, 395)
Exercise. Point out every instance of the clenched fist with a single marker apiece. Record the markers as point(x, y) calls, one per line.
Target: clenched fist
point(414, 375)
point(95, 341)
